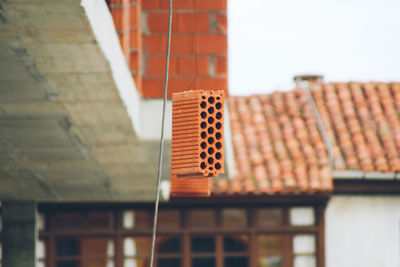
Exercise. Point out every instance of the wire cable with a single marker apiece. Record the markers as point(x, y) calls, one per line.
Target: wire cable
point(160, 160)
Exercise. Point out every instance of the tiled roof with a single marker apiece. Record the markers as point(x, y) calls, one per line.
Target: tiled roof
point(279, 149)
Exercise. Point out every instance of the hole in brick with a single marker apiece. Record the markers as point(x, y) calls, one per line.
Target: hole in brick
point(210, 150)
point(210, 160)
point(203, 114)
point(218, 136)
point(203, 155)
point(203, 165)
point(218, 105)
point(210, 140)
point(210, 110)
point(211, 100)
point(218, 125)
point(210, 119)
point(218, 98)
point(203, 135)
point(217, 155)
point(210, 130)
point(203, 145)
point(203, 125)
point(218, 166)
point(218, 115)
point(210, 168)
point(218, 145)
point(203, 97)
point(203, 104)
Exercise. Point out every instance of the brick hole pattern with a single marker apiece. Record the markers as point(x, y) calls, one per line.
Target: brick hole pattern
point(197, 141)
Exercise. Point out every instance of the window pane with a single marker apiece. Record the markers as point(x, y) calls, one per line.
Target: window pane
point(202, 218)
point(68, 263)
point(304, 261)
point(100, 219)
point(95, 246)
point(137, 262)
point(302, 216)
point(175, 262)
point(67, 247)
point(270, 217)
point(235, 261)
point(169, 219)
point(270, 250)
point(304, 244)
point(40, 250)
point(236, 243)
point(69, 220)
point(137, 219)
point(95, 263)
point(233, 218)
point(202, 244)
point(168, 245)
point(40, 221)
point(138, 246)
point(202, 262)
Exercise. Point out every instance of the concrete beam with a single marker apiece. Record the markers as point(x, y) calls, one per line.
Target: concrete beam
point(19, 234)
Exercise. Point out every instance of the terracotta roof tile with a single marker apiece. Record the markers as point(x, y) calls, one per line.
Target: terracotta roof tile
point(279, 148)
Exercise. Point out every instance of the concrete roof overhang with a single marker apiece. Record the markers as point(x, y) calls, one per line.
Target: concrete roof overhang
point(67, 116)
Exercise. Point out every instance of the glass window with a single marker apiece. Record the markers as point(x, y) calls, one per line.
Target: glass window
point(235, 262)
point(267, 217)
point(40, 221)
point(40, 250)
point(236, 243)
point(302, 216)
point(68, 263)
point(202, 244)
point(304, 261)
point(100, 220)
point(169, 219)
point(168, 245)
point(68, 247)
point(138, 219)
point(233, 218)
point(172, 262)
point(270, 250)
point(68, 220)
point(304, 244)
point(201, 262)
point(77, 252)
point(202, 218)
point(136, 251)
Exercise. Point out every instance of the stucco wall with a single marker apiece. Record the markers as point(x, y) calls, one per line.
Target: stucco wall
point(363, 231)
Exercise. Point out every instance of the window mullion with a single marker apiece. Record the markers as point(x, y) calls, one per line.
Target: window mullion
point(252, 254)
point(186, 240)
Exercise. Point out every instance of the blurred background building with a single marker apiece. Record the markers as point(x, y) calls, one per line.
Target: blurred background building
point(80, 117)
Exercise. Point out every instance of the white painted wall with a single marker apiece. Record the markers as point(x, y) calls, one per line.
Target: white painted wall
point(363, 231)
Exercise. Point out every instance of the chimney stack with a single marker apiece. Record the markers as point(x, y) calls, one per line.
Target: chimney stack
point(312, 79)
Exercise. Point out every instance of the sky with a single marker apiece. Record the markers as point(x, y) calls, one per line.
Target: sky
point(344, 40)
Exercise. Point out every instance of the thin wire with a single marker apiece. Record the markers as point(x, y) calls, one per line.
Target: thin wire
point(153, 240)
point(321, 127)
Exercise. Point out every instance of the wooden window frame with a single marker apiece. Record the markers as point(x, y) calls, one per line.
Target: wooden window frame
point(118, 233)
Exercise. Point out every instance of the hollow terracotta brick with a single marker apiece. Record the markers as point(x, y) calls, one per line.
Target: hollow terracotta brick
point(183, 187)
point(197, 139)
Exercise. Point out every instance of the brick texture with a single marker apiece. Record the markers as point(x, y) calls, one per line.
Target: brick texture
point(198, 44)
point(197, 140)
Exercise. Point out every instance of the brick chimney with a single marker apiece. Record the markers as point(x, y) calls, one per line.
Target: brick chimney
point(312, 80)
point(198, 45)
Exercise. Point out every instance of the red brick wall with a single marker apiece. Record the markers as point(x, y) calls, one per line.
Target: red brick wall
point(127, 17)
point(198, 45)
